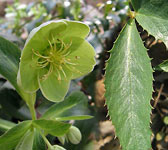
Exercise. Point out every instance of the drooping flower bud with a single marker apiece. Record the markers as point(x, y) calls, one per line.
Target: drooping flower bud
point(74, 135)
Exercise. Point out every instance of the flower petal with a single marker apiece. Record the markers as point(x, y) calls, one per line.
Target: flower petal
point(52, 88)
point(76, 29)
point(37, 40)
point(82, 54)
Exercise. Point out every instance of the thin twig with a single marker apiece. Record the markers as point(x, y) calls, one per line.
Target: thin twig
point(158, 96)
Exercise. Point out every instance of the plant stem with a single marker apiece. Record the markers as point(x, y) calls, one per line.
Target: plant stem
point(46, 140)
point(33, 112)
point(30, 101)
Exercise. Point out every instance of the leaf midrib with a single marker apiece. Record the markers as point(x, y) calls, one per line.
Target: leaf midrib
point(128, 65)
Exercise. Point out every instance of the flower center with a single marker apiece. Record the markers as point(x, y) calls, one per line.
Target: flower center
point(54, 58)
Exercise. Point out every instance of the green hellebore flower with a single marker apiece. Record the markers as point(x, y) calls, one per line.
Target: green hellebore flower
point(54, 53)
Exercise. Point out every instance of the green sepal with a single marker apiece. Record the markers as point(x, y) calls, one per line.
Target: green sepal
point(76, 29)
point(52, 88)
point(82, 55)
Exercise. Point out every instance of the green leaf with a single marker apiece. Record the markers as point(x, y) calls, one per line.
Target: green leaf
point(38, 143)
point(9, 64)
point(26, 143)
point(163, 66)
point(152, 16)
point(128, 83)
point(9, 56)
point(71, 101)
point(52, 127)
point(84, 117)
point(10, 139)
point(6, 125)
point(10, 102)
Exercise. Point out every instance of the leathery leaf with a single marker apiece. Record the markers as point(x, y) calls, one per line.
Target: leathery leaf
point(128, 83)
point(11, 138)
point(9, 66)
point(152, 16)
point(53, 127)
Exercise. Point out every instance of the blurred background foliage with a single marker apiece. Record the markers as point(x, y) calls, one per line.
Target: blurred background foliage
point(105, 18)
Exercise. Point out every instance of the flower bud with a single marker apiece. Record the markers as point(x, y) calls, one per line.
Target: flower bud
point(74, 135)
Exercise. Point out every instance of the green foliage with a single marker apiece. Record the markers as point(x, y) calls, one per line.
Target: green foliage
point(22, 14)
point(76, 9)
point(56, 110)
point(10, 56)
point(57, 52)
point(128, 72)
point(10, 139)
point(10, 102)
point(38, 143)
point(26, 142)
point(64, 42)
point(163, 66)
point(52, 127)
point(5, 125)
point(84, 117)
point(152, 16)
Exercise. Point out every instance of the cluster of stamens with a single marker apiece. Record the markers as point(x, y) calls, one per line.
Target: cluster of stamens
point(54, 58)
